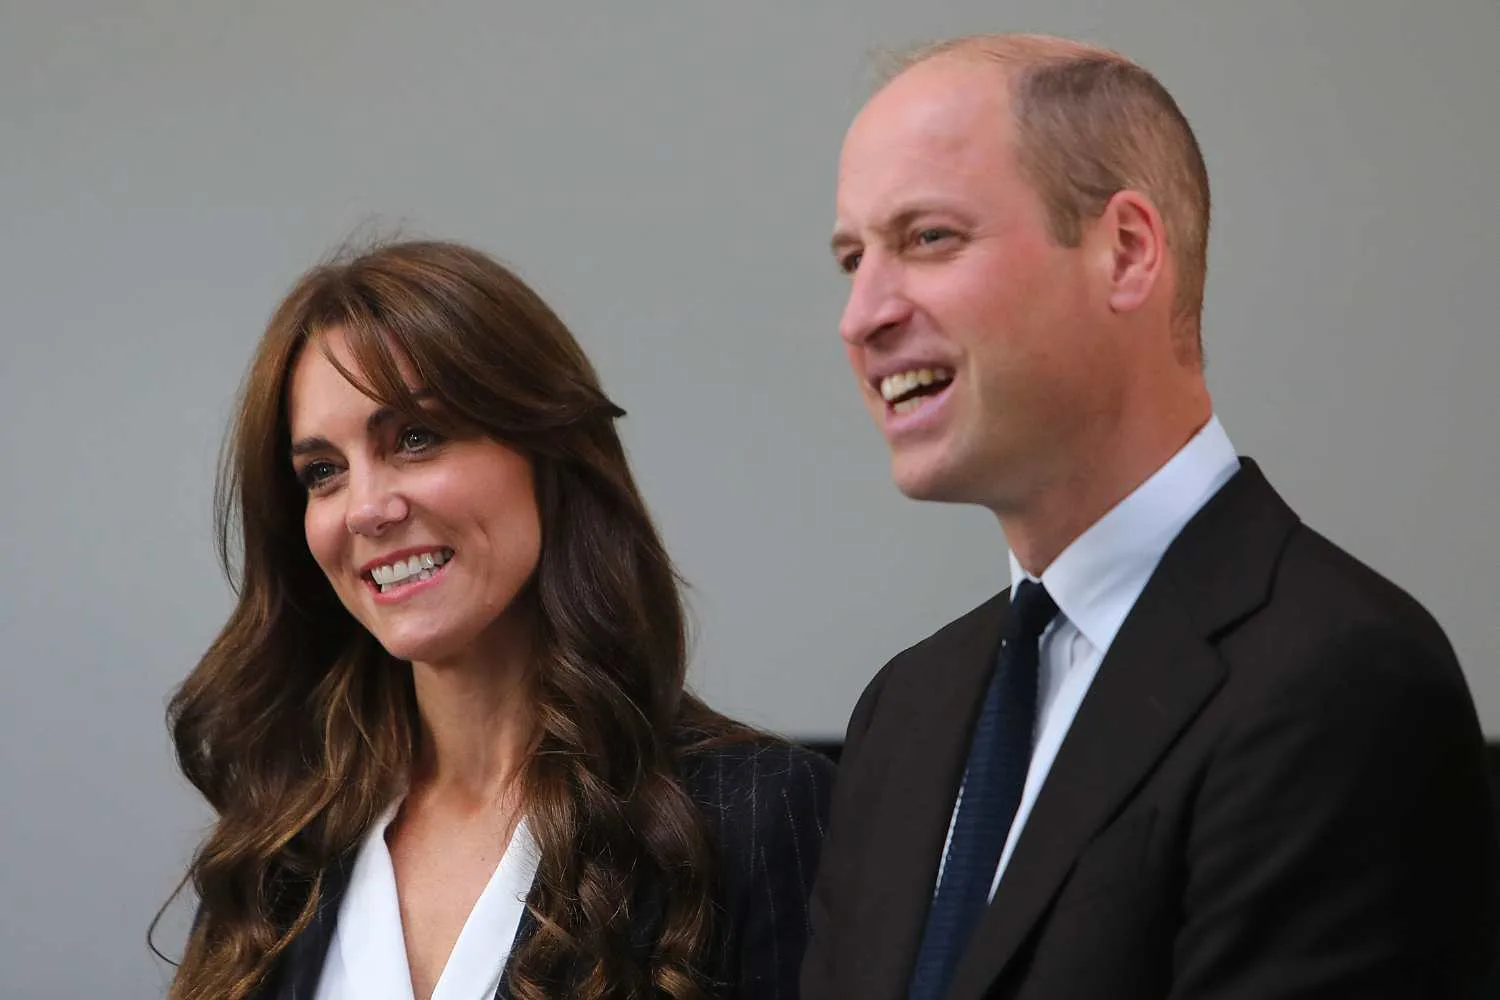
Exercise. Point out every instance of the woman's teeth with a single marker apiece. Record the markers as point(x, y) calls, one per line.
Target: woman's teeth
point(413, 569)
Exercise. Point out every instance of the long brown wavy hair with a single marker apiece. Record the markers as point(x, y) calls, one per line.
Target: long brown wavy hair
point(299, 728)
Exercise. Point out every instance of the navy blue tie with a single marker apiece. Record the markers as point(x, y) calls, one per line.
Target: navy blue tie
point(999, 754)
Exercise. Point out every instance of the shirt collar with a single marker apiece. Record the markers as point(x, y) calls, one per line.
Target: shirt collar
point(1096, 579)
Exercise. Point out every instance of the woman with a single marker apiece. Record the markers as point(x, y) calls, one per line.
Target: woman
point(445, 730)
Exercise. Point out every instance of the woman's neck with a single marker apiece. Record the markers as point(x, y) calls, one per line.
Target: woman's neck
point(477, 725)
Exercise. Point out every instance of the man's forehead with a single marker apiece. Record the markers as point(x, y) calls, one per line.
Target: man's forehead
point(930, 128)
point(938, 110)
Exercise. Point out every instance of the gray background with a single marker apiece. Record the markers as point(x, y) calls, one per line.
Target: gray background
point(663, 172)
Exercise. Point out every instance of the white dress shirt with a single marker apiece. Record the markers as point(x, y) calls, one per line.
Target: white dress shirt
point(366, 959)
point(1095, 582)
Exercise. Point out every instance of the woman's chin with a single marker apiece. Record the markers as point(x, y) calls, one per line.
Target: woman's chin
point(425, 649)
point(452, 643)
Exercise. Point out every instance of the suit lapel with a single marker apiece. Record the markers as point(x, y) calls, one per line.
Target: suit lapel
point(524, 930)
point(302, 963)
point(908, 822)
point(1158, 674)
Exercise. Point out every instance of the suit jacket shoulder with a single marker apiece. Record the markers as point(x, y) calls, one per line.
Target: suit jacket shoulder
point(907, 678)
point(1329, 621)
point(766, 807)
point(977, 623)
point(1315, 570)
point(745, 789)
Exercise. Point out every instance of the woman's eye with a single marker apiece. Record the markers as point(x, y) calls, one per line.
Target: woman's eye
point(417, 439)
point(315, 474)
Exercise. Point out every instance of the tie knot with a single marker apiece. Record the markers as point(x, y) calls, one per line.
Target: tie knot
point(1031, 610)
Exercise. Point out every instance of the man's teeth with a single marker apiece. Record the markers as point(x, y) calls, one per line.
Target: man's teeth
point(420, 567)
point(893, 387)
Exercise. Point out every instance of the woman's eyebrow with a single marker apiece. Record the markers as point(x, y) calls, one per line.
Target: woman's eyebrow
point(373, 423)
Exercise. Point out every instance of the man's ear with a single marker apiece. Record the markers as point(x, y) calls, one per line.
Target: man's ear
point(1132, 247)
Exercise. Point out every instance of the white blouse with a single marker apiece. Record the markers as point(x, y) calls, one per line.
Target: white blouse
point(366, 959)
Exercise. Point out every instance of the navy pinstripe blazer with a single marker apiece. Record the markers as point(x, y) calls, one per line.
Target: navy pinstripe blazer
point(766, 806)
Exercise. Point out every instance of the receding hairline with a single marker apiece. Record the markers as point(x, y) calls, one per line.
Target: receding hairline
point(1010, 52)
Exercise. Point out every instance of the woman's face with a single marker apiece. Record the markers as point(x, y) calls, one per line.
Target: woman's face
point(426, 540)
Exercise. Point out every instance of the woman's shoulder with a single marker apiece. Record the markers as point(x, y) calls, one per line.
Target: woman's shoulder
point(765, 802)
point(757, 780)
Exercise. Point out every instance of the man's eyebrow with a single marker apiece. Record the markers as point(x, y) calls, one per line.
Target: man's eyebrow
point(373, 423)
point(843, 239)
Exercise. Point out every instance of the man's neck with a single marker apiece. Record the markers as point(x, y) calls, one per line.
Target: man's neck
point(1038, 531)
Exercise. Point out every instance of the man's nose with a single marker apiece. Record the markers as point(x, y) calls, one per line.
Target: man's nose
point(877, 301)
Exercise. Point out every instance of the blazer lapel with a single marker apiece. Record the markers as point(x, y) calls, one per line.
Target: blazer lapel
point(1154, 680)
point(524, 930)
point(302, 963)
point(908, 821)
point(1158, 674)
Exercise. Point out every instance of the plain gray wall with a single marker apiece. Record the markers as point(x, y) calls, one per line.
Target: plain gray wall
point(663, 172)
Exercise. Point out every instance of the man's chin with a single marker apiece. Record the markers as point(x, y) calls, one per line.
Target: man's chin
point(926, 481)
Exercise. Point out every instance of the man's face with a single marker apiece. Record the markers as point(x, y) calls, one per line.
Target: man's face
point(973, 335)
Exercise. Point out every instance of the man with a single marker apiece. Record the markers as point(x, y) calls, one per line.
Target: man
point(1197, 751)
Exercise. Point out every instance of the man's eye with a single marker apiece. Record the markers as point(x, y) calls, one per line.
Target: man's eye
point(931, 235)
point(849, 262)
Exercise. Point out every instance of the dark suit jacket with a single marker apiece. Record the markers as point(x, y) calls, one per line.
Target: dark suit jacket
point(1274, 789)
point(766, 805)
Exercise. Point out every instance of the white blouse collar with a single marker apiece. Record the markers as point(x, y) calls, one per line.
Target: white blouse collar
point(367, 958)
